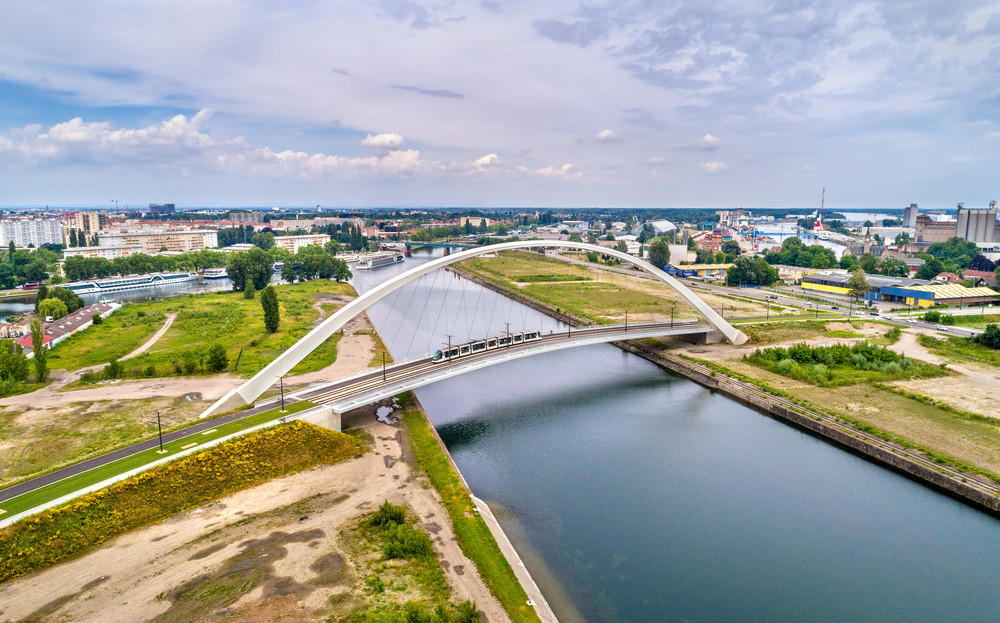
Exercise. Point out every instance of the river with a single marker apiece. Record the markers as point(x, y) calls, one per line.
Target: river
point(637, 495)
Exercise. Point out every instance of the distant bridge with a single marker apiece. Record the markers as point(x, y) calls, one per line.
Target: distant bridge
point(281, 365)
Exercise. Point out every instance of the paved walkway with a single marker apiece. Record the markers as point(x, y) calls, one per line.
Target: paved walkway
point(156, 336)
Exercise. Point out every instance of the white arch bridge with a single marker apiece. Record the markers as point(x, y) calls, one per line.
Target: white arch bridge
point(348, 393)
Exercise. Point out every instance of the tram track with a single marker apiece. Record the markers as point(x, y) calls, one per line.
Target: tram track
point(407, 370)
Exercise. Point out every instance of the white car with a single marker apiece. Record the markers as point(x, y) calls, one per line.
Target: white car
point(941, 328)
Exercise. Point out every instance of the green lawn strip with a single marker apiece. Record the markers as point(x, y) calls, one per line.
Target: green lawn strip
point(65, 486)
point(473, 535)
point(76, 527)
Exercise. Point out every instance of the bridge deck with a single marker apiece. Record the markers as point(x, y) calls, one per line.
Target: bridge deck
point(356, 391)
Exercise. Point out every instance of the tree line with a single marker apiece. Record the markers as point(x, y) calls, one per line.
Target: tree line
point(78, 268)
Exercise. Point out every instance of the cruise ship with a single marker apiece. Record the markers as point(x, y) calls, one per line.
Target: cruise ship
point(132, 282)
point(215, 273)
point(375, 260)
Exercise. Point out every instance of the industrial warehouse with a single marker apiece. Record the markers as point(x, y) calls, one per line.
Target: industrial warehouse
point(915, 292)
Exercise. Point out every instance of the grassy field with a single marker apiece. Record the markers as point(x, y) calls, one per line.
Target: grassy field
point(85, 523)
point(780, 332)
point(34, 443)
point(960, 349)
point(202, 320)
point(591, 293)
point(473, 535)
point(58, 489)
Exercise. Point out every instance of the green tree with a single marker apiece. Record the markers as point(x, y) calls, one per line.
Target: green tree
point(990, 338)
point(263, 240)
point(867, 261)
point(52, 307)
point(894, 268)
point(249, 291)
point(731, 248)
point(269, 302)
point(70, 298)
point(659, 253)
point(857, 283)
point(217, 360)
point(72, 238)
point(40, 295)
point(621, 246)
point(253, 265)
point(10, 251)
point(38, 350)
point(930, 269)
point(14, 365)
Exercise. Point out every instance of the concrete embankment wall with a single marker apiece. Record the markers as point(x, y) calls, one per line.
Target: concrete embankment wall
point(880, 454)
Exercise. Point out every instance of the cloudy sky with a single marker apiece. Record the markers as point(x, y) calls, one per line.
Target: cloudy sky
point(500, 103)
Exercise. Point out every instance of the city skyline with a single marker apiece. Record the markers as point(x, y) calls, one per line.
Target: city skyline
point(501, 104)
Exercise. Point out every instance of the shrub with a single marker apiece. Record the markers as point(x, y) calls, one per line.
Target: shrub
point(217, 358)
point(113, 370)
point(190, 361)
point(407, 542)
point(96, 319)
point(388, 515)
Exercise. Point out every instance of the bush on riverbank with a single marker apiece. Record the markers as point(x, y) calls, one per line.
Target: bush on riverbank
point(840, 364)
point(78, 526)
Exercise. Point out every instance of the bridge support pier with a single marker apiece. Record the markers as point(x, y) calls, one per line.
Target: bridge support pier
point(447, 251)
point(323, 416)
point(407, 251)
point(709, 337)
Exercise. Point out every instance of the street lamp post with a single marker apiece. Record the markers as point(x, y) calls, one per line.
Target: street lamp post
point(383, 366)
point(281, 383)
point(159, 430)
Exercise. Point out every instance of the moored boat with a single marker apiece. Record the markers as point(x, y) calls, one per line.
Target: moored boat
point(131, 282)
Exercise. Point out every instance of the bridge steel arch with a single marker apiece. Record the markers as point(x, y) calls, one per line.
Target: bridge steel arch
point(283, 363)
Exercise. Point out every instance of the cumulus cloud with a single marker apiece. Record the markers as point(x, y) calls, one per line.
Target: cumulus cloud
point(608, 136)
point(486, 161)
point(714, 167)
point(386, 140)
point(709, 141)
point(181, 142)
point(565, 172)
point(705, 143)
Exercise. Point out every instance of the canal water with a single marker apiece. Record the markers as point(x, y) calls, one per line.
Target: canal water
point(638, 495)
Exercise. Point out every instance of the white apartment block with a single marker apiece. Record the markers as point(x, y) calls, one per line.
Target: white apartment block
point(107, 252)
point(294, 243)
point(152, 242)
point(32, 232)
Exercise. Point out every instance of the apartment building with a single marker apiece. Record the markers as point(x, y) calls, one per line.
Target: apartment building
point(155, 241)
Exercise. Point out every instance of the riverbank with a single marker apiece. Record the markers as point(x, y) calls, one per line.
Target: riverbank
point(925, 467)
